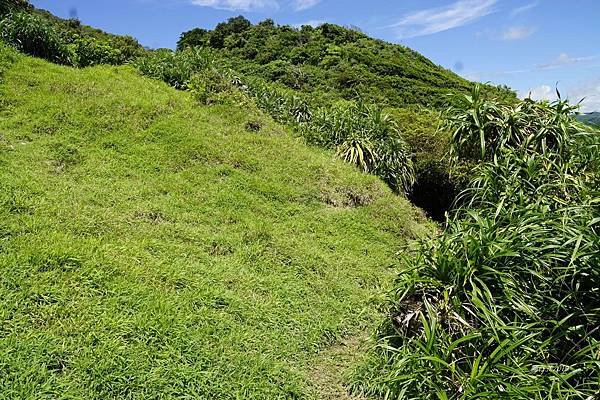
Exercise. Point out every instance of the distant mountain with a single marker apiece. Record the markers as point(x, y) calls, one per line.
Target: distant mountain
point(590, 118)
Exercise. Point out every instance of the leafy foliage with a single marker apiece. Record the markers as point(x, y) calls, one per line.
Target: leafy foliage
point(7, 6)
point(89, 51)
point(33, 36)
point(176, 69)
point(39, 33)
point(505, 303)
point(332, 62)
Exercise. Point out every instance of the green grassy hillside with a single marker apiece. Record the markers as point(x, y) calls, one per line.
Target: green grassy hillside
point(153, 248)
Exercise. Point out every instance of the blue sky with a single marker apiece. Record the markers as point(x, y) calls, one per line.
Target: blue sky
point(530, 45)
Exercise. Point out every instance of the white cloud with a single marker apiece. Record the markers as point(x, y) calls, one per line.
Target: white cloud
point(518, 32)
point(434, 20)
point(249, 5)
point(563, 60)
point(587, 92)
point(543, 92)
point(244, 5)
point(524, 9)
point(313, 22)
point(305, 4)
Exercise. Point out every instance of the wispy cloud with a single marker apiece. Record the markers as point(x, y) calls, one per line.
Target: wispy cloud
point(313, 22)
point(563, 60)
point(305, 4)
point(244, 5)
point(518, 32)
point(542, 92)
point(434, 20)
point(523, 9)
point(251, 5)
point(586, 93)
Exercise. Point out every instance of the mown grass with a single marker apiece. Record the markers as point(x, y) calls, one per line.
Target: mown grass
point(153, 248)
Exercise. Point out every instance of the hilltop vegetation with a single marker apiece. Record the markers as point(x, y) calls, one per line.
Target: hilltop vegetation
point(41, 34)
point(331, 62)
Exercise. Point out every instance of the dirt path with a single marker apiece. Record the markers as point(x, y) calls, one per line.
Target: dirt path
point(334, 362)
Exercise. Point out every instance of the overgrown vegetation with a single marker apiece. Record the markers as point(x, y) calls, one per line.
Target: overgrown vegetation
point(506, 302)
point(40, 34)
point(323, 69)
point(331, 62)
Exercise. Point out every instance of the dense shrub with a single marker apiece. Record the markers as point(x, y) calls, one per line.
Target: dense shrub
point(33, 36)
point(64, 41)
point(212, 86)
point(343, 63)
point(89, 51)
point(506, 302)
point(7, 6)
point(175, 68)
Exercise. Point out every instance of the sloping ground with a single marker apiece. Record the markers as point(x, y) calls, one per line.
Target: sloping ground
point(152, 248)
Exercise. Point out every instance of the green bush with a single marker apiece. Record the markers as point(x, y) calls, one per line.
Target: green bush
point(34, 36)
point(7, 6)
point(175, 68)
point(506, 302)
point(367, 137)
point(215, 87)
point(89, 51)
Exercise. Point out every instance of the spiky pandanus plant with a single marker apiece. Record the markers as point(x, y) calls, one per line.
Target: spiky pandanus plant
point(506, 302)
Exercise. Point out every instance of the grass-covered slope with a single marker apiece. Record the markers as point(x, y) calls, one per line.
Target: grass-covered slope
point(153, 248)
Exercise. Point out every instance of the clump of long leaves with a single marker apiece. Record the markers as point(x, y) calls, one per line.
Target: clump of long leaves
point(506, 302)
point(32, 35)
point(175, 68)
point(365, 136)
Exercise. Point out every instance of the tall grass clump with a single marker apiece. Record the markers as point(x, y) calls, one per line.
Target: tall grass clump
point(505, 303)
point(365, 136)
point(175, 68)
